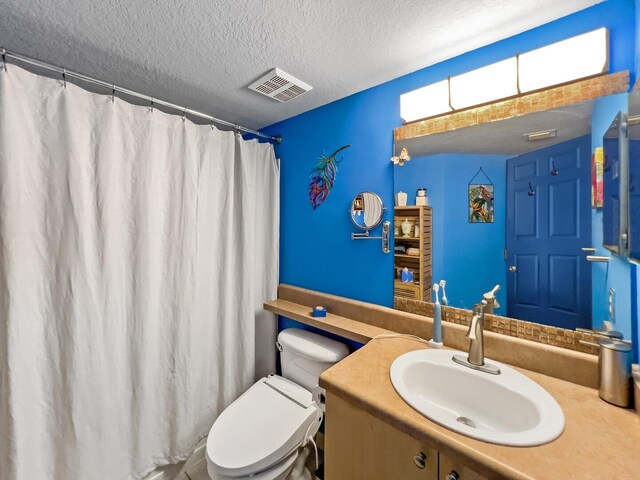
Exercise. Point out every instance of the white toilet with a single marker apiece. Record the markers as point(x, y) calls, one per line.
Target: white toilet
point(263, 433)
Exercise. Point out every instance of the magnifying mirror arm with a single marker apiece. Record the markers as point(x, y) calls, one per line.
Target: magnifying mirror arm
point(384, 237)
point(363, 236)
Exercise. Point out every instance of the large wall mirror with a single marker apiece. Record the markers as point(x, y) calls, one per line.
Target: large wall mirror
point(511, 206)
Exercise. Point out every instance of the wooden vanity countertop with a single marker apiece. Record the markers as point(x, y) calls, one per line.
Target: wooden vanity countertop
point(599, 440)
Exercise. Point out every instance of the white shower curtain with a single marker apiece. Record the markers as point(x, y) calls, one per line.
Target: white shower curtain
point(136, 249)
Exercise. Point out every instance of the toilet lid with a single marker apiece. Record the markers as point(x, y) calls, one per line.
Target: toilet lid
point(261, 427)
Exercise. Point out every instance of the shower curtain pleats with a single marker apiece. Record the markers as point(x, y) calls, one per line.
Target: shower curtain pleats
point(136, 250)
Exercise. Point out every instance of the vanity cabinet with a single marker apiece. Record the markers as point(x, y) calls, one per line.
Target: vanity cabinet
point(359, 446)
point(452, 469)
point(419, 222)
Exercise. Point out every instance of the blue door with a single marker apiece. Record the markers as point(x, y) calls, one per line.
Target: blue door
point(548, 223)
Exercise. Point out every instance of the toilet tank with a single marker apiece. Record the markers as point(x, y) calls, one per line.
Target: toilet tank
point(305, 355)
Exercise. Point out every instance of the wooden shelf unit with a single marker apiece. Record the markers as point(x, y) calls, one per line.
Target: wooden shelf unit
point(420, 265)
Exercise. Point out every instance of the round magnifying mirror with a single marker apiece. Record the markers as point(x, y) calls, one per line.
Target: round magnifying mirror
point(366, 210)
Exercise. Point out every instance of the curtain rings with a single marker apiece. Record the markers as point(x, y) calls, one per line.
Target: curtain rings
point(64, 77)
point(184, 114)
point(113, 93)
point(152, 104)
point(4, 60)
point(213, 127)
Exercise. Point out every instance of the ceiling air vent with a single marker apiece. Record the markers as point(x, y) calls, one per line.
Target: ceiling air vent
point(280, 86)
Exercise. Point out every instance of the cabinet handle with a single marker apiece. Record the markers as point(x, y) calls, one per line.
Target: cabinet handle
point(420, 460)
point(453, 475)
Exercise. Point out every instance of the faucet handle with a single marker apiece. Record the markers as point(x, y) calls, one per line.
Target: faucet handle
point(478, 314)
point(471, 334)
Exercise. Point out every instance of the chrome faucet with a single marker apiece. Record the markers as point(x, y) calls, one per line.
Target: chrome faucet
point(475, 359)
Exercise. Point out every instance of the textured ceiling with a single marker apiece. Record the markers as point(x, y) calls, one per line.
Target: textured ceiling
point(202, 54)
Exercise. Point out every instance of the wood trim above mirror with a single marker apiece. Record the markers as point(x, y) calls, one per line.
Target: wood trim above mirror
point(555, 97)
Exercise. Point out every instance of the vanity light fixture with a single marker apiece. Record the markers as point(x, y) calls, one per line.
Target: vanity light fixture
point(582, 56)
point(577, 57)
point(542, 135)
point(425, 102)
point(498, 80)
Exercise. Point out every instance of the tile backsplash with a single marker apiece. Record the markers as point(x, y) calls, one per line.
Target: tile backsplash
point(535, 332)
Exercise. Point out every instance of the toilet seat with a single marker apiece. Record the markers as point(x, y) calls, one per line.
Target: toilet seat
point(264, 426)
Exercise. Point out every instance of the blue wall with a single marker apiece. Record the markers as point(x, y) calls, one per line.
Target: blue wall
point(473, 251)
point(316, 251)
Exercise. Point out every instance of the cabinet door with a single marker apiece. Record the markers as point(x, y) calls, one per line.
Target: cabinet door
point(358, 446)
point(451, 469)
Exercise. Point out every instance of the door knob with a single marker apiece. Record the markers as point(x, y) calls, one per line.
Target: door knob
point(452, 476)
point(512, 268)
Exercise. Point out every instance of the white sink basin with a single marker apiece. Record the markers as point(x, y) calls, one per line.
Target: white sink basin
point(507, 409)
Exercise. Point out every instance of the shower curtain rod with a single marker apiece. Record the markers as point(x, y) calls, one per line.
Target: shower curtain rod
point(154, 101)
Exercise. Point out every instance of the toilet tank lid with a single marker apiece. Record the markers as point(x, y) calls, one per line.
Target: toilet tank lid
point(311, 345)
